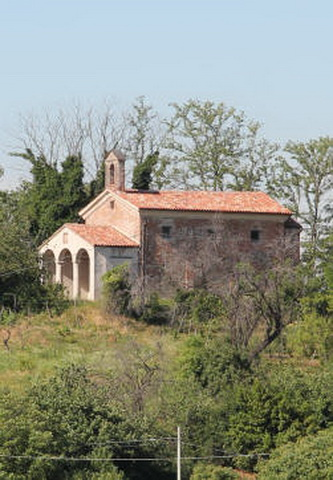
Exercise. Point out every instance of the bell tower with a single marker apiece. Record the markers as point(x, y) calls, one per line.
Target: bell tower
point(115, 171)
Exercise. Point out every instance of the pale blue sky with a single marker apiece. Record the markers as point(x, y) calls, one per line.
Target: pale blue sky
point(272, 59)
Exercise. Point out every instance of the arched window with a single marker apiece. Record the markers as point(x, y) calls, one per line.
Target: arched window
point(112, 174)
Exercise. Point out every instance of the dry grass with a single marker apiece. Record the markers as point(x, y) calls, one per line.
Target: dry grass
point(245, 475)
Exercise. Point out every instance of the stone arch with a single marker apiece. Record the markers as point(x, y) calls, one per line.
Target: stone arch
point(49, 264)
point(83, 261)
point(66, 272)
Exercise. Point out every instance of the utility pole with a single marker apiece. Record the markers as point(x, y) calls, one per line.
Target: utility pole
point(178, 454)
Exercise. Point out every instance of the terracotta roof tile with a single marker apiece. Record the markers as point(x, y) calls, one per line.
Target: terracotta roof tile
point(205, 201)
point(101, 236)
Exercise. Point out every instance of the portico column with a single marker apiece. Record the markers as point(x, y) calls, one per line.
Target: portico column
point(91, 294)
point(58, 271)
point(76, 278)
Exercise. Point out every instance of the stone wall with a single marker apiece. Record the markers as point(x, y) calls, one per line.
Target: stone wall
point(193, 250)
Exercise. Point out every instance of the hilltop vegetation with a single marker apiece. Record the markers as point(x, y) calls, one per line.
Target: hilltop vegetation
point(93, 391)
point(87, 385)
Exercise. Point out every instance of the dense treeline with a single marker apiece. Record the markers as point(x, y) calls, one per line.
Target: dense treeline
point(232, 414)
point(238, 406)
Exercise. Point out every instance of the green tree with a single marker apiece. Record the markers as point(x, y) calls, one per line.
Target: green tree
point(310, 458)
point(266, 301)
point(213, 147)
point(305, 182)
point(96, 185)
point(71, 417)
point(277, 406)
point(20, 274)
point(327, 261)
point(53, 197)
point(142, 172)
point(73, 188)
point(144, 137)
point(313, 336)
point(212, 363)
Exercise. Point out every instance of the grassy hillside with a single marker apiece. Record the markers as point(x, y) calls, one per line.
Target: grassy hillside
point(39, 344)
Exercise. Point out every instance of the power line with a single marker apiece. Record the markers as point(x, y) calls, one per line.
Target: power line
point(85, 459)
point(129, 459)
point(212, 457)
point(133, 442)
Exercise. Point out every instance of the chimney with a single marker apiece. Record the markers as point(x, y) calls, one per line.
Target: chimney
point(115, 171)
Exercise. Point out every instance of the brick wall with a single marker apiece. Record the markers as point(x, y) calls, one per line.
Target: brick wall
point(195, 250)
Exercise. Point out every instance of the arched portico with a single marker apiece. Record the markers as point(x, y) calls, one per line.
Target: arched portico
point(78, 255)
point(83, 277)
point(49, 264)
point(72, 267)
point(66, 271)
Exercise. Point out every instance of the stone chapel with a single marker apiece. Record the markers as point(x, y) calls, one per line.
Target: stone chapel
point(169, 239)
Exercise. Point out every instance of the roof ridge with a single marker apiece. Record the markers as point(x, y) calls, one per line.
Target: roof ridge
point(255, 201)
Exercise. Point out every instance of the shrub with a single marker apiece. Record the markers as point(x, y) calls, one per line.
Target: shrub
point(73, 415)
point(155, 311)
point(53, 299)
point(312, 337)
point(197, 308)
point(279, 406)
point(310, 458)
point(117, 290)
point(213, 472)
point(213, 363)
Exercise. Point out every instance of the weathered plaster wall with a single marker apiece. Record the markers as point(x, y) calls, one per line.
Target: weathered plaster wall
point(107, 258)
point(118, 214)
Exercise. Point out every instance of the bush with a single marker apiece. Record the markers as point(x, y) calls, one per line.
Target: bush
point(213, 472)
point(197, 308)
point(117, 290)
point(73, 415)
point(213, 363)
point(312, 337)
point(155, 311)
point(53, 299)
point(34, 297)
point(310, 458)
point(279, 406)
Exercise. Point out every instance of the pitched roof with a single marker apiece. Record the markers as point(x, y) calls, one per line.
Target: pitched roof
point(101, 236)
point(291, 223)
point(205, 201)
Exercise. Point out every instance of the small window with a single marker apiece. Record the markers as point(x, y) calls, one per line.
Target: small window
point(166, 231)
point(112, 174)
point(112, 204)
point(65, 237)
point(255, 235)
